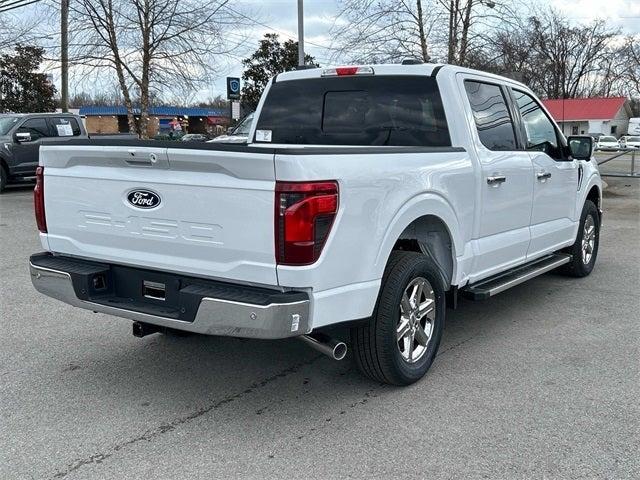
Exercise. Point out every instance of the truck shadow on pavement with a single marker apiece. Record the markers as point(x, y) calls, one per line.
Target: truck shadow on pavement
point(224, 384)
point(195, 367)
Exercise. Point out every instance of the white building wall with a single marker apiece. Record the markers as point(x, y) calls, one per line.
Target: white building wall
point(597, 126)
point(574, 128)
point(621, 122)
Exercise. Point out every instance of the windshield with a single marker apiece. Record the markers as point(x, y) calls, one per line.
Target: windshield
point(244, 126)
point(633, 139)
point(608, 139)
point(7, 123)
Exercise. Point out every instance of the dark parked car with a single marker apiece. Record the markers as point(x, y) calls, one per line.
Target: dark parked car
point(21, 136)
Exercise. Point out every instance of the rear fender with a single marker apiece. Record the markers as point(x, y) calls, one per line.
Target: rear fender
point(417, 207)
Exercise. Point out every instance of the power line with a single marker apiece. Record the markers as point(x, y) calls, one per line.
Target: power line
point(8, 5)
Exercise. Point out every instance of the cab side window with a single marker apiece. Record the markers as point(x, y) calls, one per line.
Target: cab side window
point(37, 127)
point(65, 127)
point(490, 112)
point(539, 132)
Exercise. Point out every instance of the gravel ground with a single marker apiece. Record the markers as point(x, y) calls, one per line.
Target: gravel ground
point(541, 381)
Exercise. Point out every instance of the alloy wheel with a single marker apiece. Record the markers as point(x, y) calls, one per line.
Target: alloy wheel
point(588, 239)
point(417, 318)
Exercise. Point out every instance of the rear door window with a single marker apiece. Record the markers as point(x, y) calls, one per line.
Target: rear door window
point(491, 115)
point(371, 110)
point(65, 127)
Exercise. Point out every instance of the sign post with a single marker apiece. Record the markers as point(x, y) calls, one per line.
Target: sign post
point(300, 34)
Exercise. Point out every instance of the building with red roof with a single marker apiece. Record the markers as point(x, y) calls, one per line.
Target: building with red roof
point(582, 116)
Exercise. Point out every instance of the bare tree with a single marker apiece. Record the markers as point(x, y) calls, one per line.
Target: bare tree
point(556, 59)
point(630, 59)
point(468, 23)
point(383, 30)
point(152, 45)
point(105, 98)
point(573, 56)
point(375, 31)
point(15, 30)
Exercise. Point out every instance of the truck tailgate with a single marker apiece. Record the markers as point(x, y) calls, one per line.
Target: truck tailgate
point(214, 217)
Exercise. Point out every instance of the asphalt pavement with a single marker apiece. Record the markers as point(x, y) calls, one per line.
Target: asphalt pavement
point(539, 382)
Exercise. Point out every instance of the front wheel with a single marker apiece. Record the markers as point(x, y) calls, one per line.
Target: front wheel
point(585, 248)
point(3, 178)
point(399, 342)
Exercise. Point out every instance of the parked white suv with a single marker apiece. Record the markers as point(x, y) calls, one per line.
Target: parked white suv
point(368, 196)
point(629, 141)
point(607, 142)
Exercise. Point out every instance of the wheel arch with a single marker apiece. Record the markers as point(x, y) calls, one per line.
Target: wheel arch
point(595, 196)
point(427, 225)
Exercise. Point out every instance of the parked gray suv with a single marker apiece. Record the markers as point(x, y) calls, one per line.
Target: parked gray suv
point(21, 136)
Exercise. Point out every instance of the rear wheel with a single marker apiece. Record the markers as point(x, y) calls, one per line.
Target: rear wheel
point(399, 342)
point(585, 248)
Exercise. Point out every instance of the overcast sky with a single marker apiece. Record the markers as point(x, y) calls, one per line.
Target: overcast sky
point(320, 16)
point(281, 16)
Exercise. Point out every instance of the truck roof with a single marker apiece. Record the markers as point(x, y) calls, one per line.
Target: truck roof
point(36, 114)
point(395, 69)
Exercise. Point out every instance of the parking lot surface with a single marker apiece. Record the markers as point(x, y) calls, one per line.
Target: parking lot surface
point(541, 381)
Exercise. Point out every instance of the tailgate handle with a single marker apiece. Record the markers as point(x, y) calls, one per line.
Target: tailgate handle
point(151, 160)
point(154, 290)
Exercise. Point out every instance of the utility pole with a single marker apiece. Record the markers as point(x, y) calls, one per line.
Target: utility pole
point(300, 34)
point(64, 54)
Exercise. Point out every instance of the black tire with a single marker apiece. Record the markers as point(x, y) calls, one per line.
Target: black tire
point(578, 267)
point(3, 178)
point(375, 342)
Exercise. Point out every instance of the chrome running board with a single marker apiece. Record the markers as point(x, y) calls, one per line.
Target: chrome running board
point(499, 283)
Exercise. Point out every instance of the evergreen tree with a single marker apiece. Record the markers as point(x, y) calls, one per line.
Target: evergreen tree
point(271, 58)
point(22, 89)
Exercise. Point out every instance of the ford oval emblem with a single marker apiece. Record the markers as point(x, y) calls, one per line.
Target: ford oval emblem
point(143, 199)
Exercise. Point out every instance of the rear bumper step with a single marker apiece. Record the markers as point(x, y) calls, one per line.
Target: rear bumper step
point(492, 286)
point(172, 300)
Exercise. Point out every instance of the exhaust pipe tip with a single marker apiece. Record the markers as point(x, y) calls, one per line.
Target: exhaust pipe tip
point(332, 348)
point(339, 351)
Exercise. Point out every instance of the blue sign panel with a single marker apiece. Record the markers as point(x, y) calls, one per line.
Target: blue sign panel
point(233, 88)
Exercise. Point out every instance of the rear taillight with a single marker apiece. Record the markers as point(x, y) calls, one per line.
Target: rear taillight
point(304, 214)
point(38, 200)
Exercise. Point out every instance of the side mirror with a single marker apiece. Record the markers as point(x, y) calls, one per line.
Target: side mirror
point(581, 147)
point(23, 137)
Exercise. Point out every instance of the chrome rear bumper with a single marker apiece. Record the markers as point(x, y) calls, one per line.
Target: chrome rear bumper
point(214, 316)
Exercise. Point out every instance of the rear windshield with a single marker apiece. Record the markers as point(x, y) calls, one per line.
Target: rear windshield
point(366, 110)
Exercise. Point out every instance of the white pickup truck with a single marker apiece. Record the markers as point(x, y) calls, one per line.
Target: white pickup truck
point(368, 196)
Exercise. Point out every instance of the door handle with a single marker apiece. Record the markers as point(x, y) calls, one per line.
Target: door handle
point(543, 175)
point(496, 179)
